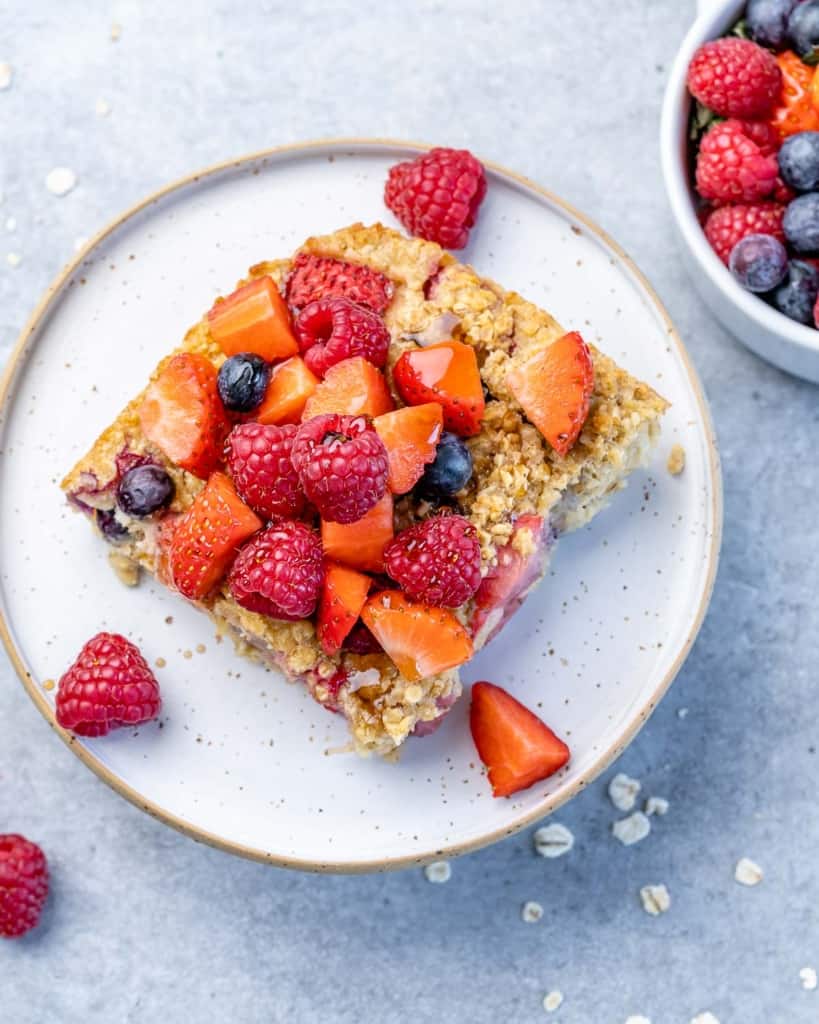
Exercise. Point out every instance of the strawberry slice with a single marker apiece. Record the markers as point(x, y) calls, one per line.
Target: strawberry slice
point(254, 318)
point(353, 387)
point(411, 437)
point(517, 748)
point(361, 544)
point(342, 598)
point(422, 640)
point(182, 414)
point(206, 539)
point(291, 384)
point(554, 387)
point(506, 584)
point(448, 374)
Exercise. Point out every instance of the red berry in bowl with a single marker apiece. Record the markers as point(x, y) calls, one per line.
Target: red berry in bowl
point(23, 885)
point(330, 330)
point(729, 224)
point(437, 195)
point(731, 167)
point(735, 78)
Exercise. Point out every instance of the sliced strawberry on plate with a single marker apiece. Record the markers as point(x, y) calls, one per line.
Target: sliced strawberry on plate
point(342, 598)
point(182, 414)
point(411, 437)
point(291, 384)
point(353, 387)
point(206, 539)
point(448, 374)
point(517, 748)
point(321, 277)
point(554, 387)
point(422, 640)
point(255, 318)
point(520, 564)
point(361, 544)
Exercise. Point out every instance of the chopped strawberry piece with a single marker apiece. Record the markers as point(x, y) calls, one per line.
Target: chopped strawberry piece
point(361, 544)
point(182, 414)
point(506, 584)
point(517, 748)
point(353, 387)
point(342, 599)
point(554, 387)
point(206, 539)
point(291, 384)
point(448, 374)
point(321, 277)
point(254, 318)
point(422, 640)
point(796, 111)
point(411, 437)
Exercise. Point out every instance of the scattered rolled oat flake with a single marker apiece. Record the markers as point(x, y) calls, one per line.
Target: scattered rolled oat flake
point(60, 181)
point(676, 460)
point(531, 912)
point(11, 224)
point(632, 829)
point(637, 1019)
point(552, 1001)
point(553, 840)
point(682, 712)
point(704, 1018)
point(807, 976)
point(102, 108)
point(13, 259)
point(623, 791)
point(747, 872)
point(6, 75)
point(656, 805)
point(439, 871)
point(655, 899)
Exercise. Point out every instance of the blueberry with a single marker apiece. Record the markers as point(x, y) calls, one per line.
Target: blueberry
point(796, 297)
point(109, 526)
point(243, 381)
point(803, 30)
point(759, 262)
point(449, 472)
point(801, 223)
point(767, 21)
point(799, 161)
point(144, 489)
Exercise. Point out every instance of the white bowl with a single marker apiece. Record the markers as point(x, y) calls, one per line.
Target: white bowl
point(785, 343)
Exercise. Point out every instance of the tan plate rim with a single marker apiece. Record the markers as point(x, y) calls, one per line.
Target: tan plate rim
point(549, 804)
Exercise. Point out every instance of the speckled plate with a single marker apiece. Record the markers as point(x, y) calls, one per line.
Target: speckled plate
point(244, 760)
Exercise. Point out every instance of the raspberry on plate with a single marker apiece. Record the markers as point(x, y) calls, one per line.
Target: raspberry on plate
point(342, 464)
point(436, 196)
point(437, 561)
point(258, 458)
point(23, 885)
point(321, 277)
point(735, 78)
point(108, 686)
point(279, 573)
point(732, 168)
point(730, 224)
point(329, 330)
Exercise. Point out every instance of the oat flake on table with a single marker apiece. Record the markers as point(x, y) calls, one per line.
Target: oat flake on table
point(552, 1001)
point(439, 871)
point(6, 75)
point(704, 1018)
point(747, 872)
point(531, 912)
point(807, 976)
point(553, 840)
point(60, 181)
point(656, 805)
point(632, 829)
point(623, 791)
point(655, 899)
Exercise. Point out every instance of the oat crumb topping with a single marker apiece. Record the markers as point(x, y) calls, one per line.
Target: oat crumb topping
point(623, 791)
point(127, 569)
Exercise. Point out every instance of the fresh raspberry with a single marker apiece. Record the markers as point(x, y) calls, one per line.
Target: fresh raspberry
point(279, 573)
point(764, 135)
point(342, 464)
point(732, 168)
point(23, 885)
point(437, 561)
point(330, 330)
point(108, 686)
point(729, 224)
point(321, 277)
point(735, 78)
point(437, 195)
point(258, 458)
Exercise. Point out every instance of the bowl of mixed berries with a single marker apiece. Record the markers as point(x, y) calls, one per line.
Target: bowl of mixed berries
point(740, 151)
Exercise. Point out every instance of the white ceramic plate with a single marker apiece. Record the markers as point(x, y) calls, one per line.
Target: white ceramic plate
point(244, 760)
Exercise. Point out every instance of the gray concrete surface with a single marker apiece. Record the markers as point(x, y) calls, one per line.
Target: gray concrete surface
point(145, 925)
